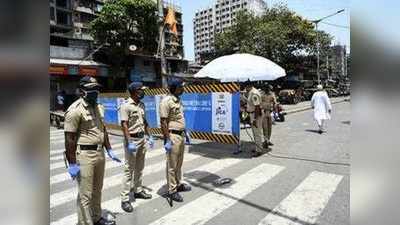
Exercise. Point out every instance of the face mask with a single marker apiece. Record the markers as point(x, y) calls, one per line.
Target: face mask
point(91, 96)
point(140, 94)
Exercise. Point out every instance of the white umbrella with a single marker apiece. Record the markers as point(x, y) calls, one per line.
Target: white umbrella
point(241, 67)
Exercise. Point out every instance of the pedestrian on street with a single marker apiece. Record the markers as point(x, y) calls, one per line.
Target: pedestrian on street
point(61, 100)
point(173, 129)
point(85, 139)
point(135, 129)
point(268, 104)
point(322, 108)
point(254, 110)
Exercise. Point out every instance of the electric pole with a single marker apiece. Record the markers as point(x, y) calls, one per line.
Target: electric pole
point(318, 44)
point(161, 43)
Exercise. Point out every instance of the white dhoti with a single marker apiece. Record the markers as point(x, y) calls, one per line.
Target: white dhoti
point(322, 105)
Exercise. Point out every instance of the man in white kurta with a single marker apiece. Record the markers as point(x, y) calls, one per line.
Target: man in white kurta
point(322, 107)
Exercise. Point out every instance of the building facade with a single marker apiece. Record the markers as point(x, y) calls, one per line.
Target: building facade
point(71, 47)
point(218, 17)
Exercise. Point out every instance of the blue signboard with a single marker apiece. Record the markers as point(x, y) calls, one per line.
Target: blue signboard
point(110, 109)
point(204, 112)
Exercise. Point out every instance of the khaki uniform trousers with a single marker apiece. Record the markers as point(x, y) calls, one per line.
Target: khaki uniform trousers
point(134, 164)
point(90, 185)
point(257, 132)
point(174, 162)
point(267, 125)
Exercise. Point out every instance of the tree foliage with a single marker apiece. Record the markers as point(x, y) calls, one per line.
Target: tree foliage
point(279, 35)
point(122, 23)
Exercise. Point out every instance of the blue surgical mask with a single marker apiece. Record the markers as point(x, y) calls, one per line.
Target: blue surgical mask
point(91, 96)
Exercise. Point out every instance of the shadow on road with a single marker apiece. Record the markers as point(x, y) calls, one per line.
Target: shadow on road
point(312, 131)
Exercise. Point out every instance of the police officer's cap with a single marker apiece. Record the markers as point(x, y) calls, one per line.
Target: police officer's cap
point(135, 86)
point(88, 82)
point(175, 81)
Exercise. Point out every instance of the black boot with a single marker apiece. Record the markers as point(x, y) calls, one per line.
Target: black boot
point(176, 197)
point(143, 195)
point(103, 221)
point(127, 207)
point(183, 188)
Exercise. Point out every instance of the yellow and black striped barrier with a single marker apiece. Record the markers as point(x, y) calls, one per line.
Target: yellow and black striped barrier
point(203, 88)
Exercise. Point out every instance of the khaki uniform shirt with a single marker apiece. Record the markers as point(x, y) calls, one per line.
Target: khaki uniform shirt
point(87, 121)
point(253, 100)
point(133, 112)
point(172, 109)
point(268, 101)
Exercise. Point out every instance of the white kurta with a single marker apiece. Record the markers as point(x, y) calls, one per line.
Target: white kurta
point(321, 103)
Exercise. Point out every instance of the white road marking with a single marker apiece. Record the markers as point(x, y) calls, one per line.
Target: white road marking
point(109, 164)
point(206, 207)
point(306, 202)
point(114, 205)
point(62, 197)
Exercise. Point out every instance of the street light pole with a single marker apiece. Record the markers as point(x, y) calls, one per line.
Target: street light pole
point(318, 44)
point(161, 43)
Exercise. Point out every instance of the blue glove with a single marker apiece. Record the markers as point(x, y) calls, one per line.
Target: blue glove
point(111, 154)
point(132, 147)
point(151, 141)
point(74, 170)
point(187, 138)
point(168, 145)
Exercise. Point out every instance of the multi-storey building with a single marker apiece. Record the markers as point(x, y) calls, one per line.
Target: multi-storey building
point(71, 47)
point(218, 17)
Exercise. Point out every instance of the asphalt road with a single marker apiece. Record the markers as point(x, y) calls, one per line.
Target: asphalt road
point(303, 180)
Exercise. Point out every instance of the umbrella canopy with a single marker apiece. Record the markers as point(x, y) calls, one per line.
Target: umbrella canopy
point(241, 67)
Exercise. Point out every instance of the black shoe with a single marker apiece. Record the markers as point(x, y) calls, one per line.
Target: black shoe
point(176, 197)
point(142, 195)
point(184, 187)
point(127, 207)
point(257, 154)
point(103, 221)
point(270, 143)
point(265, 144)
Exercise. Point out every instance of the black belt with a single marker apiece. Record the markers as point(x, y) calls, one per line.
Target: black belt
point(89, 147)
point(137, 135)
point(178, 132)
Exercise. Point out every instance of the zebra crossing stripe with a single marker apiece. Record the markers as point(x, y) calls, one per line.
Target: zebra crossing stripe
point(65, 196)
point(109, 165)
point(305, 204)
point(209, 205)
point(114, 205)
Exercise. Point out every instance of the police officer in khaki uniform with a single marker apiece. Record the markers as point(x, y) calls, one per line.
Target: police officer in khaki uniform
point(254, 110)
point(135, 129)
point(173, 128)
point(85, 139)
point(268, 104)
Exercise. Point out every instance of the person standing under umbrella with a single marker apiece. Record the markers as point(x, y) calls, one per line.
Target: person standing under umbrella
point(322, 107)
point(254, 110)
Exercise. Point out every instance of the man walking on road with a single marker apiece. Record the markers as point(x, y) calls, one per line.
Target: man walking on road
point(135, 129)
point(322, 108)
point(173, 129)
point(85, 139)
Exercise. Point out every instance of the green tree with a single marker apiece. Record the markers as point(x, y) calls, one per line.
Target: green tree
point(279, 35)
point(122, 23)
